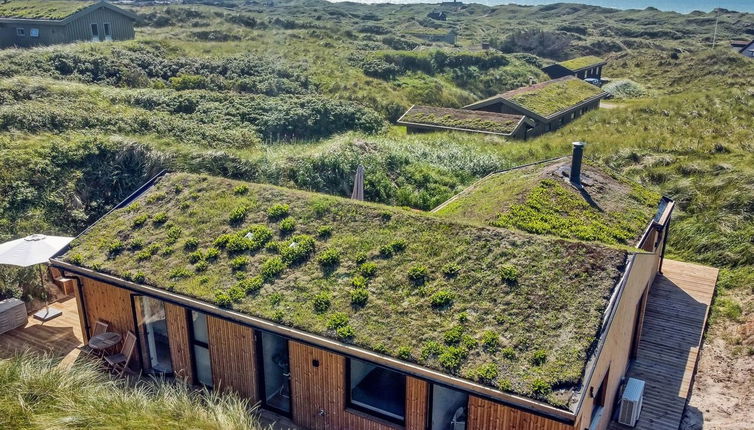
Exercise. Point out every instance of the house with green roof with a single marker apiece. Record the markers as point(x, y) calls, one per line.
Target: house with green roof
point(26, 23)
point(588, 67)
point(546, 105)
point(428, 118)
point(499, 306)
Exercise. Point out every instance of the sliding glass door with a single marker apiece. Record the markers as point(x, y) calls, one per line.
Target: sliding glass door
point(275, 372)
point(153, 333)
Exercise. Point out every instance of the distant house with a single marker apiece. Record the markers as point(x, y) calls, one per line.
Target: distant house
point(581, 67)
point(25, 23)
point(744, 47)
point(546, 105)
point(438, 15)
point(425, 118)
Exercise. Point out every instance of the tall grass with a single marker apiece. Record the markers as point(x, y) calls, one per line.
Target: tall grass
point(36, 394)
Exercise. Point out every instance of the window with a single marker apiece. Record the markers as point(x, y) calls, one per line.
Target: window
point(275, 372)
point(20, 32)
point(376, 390)
point(598, 404)
point(34, 32)
point(449, 408)
point(153, 329)
point(106, 29)
point(95, 32)
point(200, 349)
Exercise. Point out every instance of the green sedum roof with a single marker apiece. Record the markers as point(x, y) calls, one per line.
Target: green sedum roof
point(514, 311)
point(461, 119)
point(538, 199)
point(551, 97)
point(42, 9)
point(581, 62)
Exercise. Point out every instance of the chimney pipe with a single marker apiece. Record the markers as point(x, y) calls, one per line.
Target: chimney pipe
point(578, 154)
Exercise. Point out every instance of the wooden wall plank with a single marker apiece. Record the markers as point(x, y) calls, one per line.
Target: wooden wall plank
point(108, 303)
point(488, 415)
point(417, 403)
point(232, 356)
point(180, 348)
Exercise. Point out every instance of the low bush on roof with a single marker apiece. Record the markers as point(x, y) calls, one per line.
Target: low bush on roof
point(377, 301)
point(555, 96)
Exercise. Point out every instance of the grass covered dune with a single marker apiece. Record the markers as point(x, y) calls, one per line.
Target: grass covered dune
point(511, 310)
point(36, 394)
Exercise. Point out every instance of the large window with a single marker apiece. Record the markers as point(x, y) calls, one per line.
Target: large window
point(200, 349)
point(276, 376)
point(377, 390)
point(106, 29)
point(153, 328)
point(20, 32)
point(449, 408)
point(95, 31)
point(34, 32)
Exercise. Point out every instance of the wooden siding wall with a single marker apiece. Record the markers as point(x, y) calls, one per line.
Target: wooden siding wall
point(180, 349)
point(323, 388)
point(121, 27)
point(105, 302)
point(487, 415)
point(231, 351)
point(616, 351)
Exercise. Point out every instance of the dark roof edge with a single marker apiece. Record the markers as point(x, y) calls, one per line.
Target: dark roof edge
point(529, 112)
point(516, 401)
point(746, 46)
point(131, 197)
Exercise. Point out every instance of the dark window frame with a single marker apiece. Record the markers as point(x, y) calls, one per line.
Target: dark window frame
point(193, 342)
point(20, 32)
point(371, 412)
point(145, 354)
point(94, 29)
point(259, 351)
point(430, 401)
point(107, 30)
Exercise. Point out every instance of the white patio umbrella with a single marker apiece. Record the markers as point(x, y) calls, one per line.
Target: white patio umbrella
point(31, 250)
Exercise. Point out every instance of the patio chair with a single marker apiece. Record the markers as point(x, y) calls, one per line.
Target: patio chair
point(99, 328)
point(119, 362)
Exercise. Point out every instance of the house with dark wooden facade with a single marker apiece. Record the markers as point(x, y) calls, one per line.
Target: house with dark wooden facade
point(419, 119)
point(342, 314)
point(588, 67)
point(744, 47)
point(24, 24)
point(546, 105)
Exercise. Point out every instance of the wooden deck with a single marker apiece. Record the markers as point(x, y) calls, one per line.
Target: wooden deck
point(60, 337)
point(676, 315)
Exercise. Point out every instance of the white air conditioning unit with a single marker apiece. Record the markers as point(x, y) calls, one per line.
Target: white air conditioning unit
point(630, 403)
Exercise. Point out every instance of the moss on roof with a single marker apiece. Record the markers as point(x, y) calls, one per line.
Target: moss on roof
point(550, 97)
point(485, 304)
point(538, 199)
point(42, 9)
point(581, 62)
point(463, 119)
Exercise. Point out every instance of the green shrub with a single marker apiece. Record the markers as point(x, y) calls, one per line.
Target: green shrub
point(173, 234)
point(337, 320)
point(222, 240)
point(278, 211)
point(368, 269)
point(346, 332)
point(322, 302)
point(329, 258)
point(509, 274)
point(451, 270)
point(441, 299)
point(191, 244)
point(418, 274)
point(359, 281)
point(275, 298)
point(139, 220)
point(359, 297)
point(139, 277)
point(539, 358)
point(729, 308)
point(386, 251)
point(241, 189)
point(490, 340)
point(287, 225)
point(271, 268)
point(404, 353)
point(76, 259)
point(324, 232)
point(159, 218)
point(505, 385)
point(251, 285)
point(222, 299)
point(195, 257)
point(431, 349)
point(201, 266)
point(486, 373)
point(361, 257)
point(469, 342)
point(297, 249)
point(508, 353)
point(540, 388)
point(452, 358)
point(212, 254)
point(115, 247)
point(238, 215)
point(239, 263)
point(463, 317)
point(454, 335)
point(179, 273)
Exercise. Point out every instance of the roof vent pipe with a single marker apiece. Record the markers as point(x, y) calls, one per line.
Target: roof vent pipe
point(578, 154)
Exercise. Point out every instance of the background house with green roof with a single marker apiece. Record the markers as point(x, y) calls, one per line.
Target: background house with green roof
point(546, 105)
point(428, 118)
point(40, 22)
point(588, 67)
point(344, 314)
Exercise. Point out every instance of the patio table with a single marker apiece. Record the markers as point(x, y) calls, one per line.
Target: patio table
point(104, 341)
